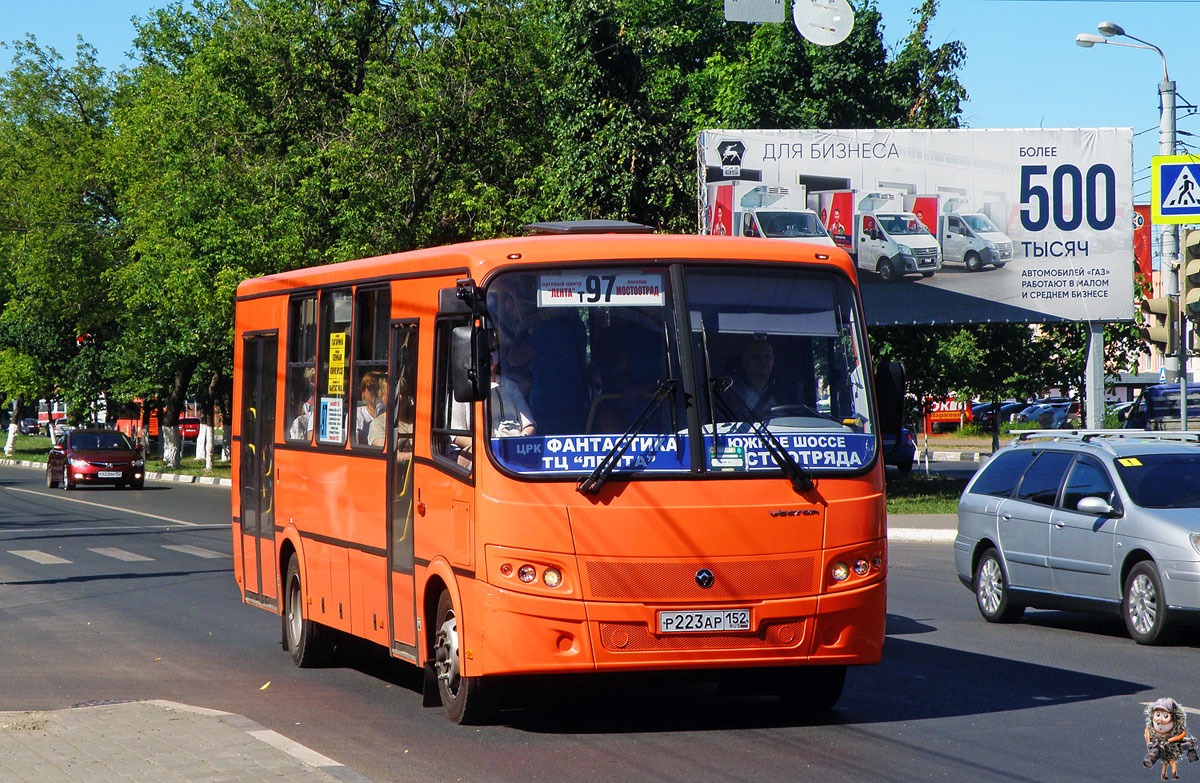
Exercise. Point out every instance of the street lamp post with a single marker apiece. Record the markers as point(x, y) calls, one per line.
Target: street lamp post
point(1175, 366)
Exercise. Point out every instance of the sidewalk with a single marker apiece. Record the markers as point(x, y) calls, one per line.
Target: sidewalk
point(154, 741)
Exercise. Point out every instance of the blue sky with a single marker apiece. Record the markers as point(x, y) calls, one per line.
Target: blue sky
point(1023, 68)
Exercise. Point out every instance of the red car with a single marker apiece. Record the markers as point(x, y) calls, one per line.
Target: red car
point(95, 457)
point(189, 427)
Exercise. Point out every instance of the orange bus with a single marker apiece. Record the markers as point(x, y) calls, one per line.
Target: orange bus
point(600, 451)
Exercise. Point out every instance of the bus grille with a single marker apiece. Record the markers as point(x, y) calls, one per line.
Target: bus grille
point(657, 580)
point(636, 637)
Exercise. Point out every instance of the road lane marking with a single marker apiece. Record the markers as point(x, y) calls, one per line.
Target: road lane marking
point(188, 549)
point(119, 554)
point(101, 505)
point(42, 558)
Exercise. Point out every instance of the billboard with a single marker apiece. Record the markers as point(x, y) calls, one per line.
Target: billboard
point(946, 226)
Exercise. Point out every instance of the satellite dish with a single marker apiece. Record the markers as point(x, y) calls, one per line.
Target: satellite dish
point(824, 22)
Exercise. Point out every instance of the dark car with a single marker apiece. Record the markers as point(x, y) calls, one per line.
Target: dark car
point(985, 419)
point(900, 453)
point(95, 457)
point(189, 427)
point(29, 427)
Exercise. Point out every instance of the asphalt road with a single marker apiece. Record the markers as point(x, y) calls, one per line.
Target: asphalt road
point(83, 618)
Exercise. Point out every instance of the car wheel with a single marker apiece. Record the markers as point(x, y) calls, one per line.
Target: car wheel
point(137, 483)
point(999, 264)
point(51, 482)
point(991, 590)
point(973, 261)
point(466, 699)
point(1144, 606)
point(904, 467)
point(66, 478)
point(305, 639)
point(927, 274)
point(887, 272)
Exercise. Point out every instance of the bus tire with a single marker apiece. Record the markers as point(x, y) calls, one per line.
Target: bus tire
point(811, 688)
point(973, 261)
point(304, 639)
point(465, 699)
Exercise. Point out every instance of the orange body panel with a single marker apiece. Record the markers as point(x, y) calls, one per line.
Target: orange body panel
point(626, 554)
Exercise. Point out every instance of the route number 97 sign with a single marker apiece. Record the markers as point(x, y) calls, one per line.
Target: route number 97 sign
point(1014, 225)
point(600, 288)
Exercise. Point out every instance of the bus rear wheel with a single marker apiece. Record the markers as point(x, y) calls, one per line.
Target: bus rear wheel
point(305, 639)
point(467, 700)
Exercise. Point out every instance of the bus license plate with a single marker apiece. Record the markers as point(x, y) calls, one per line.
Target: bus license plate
point(704, 621)
point(110, 474)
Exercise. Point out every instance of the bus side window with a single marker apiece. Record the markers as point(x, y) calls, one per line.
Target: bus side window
point(370, 387)
point(300, 383)
point(453, 433)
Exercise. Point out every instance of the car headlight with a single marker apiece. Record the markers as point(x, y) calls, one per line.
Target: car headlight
point(905, 250)
point(78, 463)
point(1195, 539)
point(989, 244)
point(137, 463)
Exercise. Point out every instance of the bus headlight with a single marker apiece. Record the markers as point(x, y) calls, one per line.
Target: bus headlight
point(840, 572)
point(552, 577)
point(861, 566)
point(526, 573)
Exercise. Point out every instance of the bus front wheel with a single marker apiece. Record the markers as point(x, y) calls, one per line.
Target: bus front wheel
point(304, 638)
point(465, 699)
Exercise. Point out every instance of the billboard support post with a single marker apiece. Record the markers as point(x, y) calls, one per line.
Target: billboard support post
point(1094, 376)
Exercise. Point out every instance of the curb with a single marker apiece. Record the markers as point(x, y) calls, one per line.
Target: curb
point(955, 456)
point(178, 478)
point(916, 535)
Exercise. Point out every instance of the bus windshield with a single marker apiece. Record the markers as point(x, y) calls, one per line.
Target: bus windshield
point(583, 356)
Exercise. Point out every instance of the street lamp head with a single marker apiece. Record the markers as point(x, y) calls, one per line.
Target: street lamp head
point(1109, 29)
point(1087, 40)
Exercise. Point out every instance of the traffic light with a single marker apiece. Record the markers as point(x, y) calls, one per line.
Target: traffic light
point(1189, 284)
point(1159, 319)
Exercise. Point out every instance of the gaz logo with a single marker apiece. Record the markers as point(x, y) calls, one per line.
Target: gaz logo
point(731, 153)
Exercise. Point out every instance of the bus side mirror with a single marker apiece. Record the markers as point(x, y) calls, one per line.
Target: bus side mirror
point(890, 385)
point(470, 363)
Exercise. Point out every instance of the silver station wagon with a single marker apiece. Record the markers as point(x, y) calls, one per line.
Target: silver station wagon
point(1100, 520)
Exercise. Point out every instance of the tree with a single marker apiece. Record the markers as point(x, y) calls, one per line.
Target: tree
point(57, 236)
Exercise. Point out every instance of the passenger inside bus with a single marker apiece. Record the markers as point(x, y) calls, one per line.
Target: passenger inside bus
point(302, 407)
point(509, 411)
point(372, 397)
point(555, 354)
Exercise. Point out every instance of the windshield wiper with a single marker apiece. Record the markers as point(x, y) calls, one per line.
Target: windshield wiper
point(608, 463)
point(801, 479)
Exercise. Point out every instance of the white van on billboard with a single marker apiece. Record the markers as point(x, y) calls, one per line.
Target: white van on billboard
point(1029, 225)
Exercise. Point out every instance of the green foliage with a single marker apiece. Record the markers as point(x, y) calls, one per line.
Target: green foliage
point(259, 137)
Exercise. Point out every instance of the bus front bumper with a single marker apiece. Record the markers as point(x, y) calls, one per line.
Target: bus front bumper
point(523, 634)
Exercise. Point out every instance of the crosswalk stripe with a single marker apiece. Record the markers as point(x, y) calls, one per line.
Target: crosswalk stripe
point(38, 557)
point(119, 554)
point(193, 550)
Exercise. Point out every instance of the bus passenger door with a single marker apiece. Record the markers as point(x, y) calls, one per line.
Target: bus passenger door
point(401, 418)
point(259, 356)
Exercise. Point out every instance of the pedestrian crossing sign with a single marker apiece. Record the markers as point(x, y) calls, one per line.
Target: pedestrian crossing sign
point(1175, 189)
